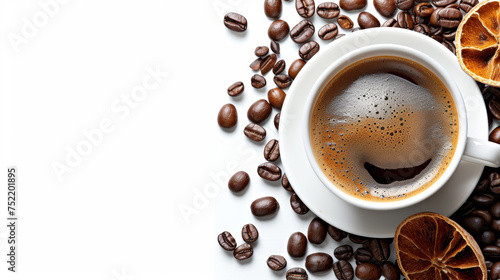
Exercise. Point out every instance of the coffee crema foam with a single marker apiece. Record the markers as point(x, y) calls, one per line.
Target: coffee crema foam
point(390, 113)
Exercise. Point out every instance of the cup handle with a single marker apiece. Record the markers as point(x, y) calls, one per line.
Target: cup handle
point(482, 151)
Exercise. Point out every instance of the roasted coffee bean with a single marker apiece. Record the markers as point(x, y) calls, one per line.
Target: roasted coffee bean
point(227, 116)
point(433, 20)
point(278, 30)
point(316, 232)
point(473, 224)
point(449, 17)
point(380, 249)
point(239, 181)
point(276, 262)
point(495, 210)
point(417, 19)
point(358, 239)
point(491, 252)
point(495, 226)
point(259, 111)
point(308, 50)
point(337, 234)
point(424, 9)
point(272, 150)
point(467, 5)
point(268, 63)
point(249, 233)
point(436, 30)
point(483, 214)
point(276, 97)
point(277, 121)
point(258, 81)
point(495, 271)
point(489, 265)
point(345, 22)
point(255, 132)
point(404, 20)
point(363, 255)
point(296, 273)
point(491, 91)
point(261, 51)
point(404, 4)
point(443, 3)
point(275, 47)
point(226, 241)
point(318, 262)
point(305, 8)
point(367, 20)
point(295, 68)
point(297, 245)
point(264, 206)
point(390, 23)
point(283, 80)
point(483, 200)
point(449, 45)
point(279, 66)
point(269, 171)
point(368, 271)
point(389, 271)
point(385, 7)
point(272, 8)
point(343, 252)
point(495, 137)
point(349, 5)
point(297, 205)
point(328, 31)
point(235, 22)
point(236, 89)
point(494, 107)
point(302, 32)
point(243, 252)
point(255, 65)
point(482, 186)
point(328, 10)
point(343, 270)
point(487, 237)
point(285, 183)
point(493, 177)
point(422, 29)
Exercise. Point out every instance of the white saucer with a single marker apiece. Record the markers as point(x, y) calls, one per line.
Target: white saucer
point(322, 201)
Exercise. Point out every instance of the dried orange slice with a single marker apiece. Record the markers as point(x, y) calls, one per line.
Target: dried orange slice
point(478, 42)
point(431, 246)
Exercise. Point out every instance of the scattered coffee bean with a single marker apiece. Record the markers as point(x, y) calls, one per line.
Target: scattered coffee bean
point(363, 255)
point(368, 271)
point(367, 20)
point(449, 45)
point(386, 8)
point(296, 273)
point(261, 51)
point(283, 80)
point(405, 4)
point(255, 65)
point(424, 9)
point(295, 68)
point(389, 271)
point(285, 183)
point(264, 206)
point(278, 30)
point(473, 224)
point(279, 66)
point(276, 97)
point(227, 116)
point(316, 232)
point(269, 171)
point(443, 3)
point(449, 35)
point(308, 50)
point(495, 210)
point(433, 20)
point(404, 20)
point(422, 29)
point(275, 47)
point(495, 226)
point(390, 23)
point(243, 252)
point(259, 111)
point(255, 132)
point(276, 262)
point(494, 106)
point(345, 22)
point(495, 271)
point(277, 121)
point(235, 22)
point(349, 5)
point(297, 205)
point(483, 200)
point(319, 262)
point(328, 31)
point(467, 5)
point(495, 137)
point(302, 32)
point(236, 89)
point(491, 251)
point(249, 233)
point(268, 63)
point(239, 181)
point(343, 270)
point(226, 241)
point(328, 10)
point(305, 8)
point(449, 17)
point(337, 234)
point(297, 245)
point(358, 239)
point(380, 249)
point(258, 81)
point(272, 150)
point(343, 252)
point(272, 8)
point(483, 214)
point(487, 237)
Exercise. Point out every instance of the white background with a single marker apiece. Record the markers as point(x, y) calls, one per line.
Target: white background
point(116, 212)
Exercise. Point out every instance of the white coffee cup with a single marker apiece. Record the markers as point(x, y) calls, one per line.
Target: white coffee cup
point(467, 148)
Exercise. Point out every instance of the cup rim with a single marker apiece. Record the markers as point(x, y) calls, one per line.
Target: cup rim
point(385, 50)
